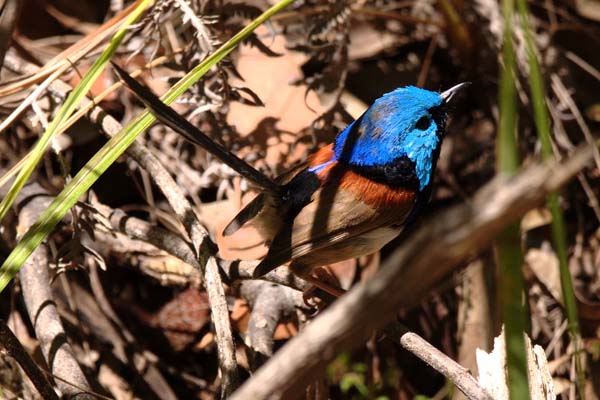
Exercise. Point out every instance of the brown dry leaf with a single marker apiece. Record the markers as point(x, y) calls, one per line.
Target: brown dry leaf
point(369, 265)
point(183, 317)
point(104, 81)
point(118, 386)
point(344, 271)
point(285, 109)
point(217, 213)
point(246, 243)
point(588, 8)
point(285, 331)
point(562, 386)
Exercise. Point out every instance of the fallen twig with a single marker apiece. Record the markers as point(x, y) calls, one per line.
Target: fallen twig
point(242, 270)
point(177, 246)
point(35, 282)
point(270, 303)
point(452, 370)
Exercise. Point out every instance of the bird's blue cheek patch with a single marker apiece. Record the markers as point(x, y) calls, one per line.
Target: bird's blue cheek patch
point(420, 147)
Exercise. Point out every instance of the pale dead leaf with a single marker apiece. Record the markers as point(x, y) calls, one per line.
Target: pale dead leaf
point(369, 265)
point(367, 42)
point(535, 218)
point(285, 114)
point(588, 9)
point(545, 265)
point(118, 387)
point(562, 385)
point(344, 271)
point(270, 78)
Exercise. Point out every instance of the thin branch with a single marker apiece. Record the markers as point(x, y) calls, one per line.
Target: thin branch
point(446, 366)
point(176, 246)
point(41, 308)
point(565, 97)
point(242, 270)
point(16, 351)
point(138, 229)
point(270, 303)
point(429, 255)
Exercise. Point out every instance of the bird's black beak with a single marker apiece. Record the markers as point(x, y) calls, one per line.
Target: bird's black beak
point(450, 93)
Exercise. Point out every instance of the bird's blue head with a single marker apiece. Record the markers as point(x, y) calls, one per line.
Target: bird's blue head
point(398, 138)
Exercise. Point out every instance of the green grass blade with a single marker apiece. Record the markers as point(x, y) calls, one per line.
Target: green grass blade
point(65, 111)
point(559, 234)
point(111, 151)
point(510, 257)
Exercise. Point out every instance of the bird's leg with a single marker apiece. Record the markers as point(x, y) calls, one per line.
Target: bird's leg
point(319, 281)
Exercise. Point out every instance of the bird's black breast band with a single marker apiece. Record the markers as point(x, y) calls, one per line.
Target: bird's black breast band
point(400, 172)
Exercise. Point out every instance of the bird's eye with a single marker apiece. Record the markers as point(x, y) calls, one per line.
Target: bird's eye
point(423, 123)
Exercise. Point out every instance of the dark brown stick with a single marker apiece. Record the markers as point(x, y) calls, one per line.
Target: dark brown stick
point(16, 351)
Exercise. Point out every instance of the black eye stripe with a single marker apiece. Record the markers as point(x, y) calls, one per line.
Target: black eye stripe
point(423, 123)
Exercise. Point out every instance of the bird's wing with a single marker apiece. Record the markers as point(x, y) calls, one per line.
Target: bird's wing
point(270, 212)
point(265, 207)
point(336, 214)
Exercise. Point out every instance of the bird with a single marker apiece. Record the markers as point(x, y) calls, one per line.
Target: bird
point(352, 196)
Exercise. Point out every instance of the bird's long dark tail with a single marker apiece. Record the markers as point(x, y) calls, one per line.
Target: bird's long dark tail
point(173, 120)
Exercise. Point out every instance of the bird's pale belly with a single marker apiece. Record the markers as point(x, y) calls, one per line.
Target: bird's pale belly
point(361, 245)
